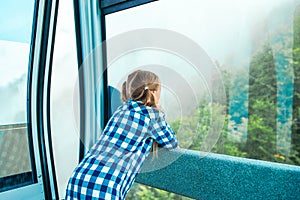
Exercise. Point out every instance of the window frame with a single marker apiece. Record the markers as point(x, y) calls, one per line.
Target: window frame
point(112, 6)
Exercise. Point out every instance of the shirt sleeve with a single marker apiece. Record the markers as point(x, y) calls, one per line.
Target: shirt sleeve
point(162, 133)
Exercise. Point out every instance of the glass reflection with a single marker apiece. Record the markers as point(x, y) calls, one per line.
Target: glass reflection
point(64, 97)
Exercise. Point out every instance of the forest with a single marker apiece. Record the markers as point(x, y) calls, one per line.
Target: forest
point(262, 118)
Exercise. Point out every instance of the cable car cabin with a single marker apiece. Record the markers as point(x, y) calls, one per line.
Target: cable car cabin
point(229, 73)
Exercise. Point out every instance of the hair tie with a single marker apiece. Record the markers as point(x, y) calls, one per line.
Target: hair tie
point(146, 88)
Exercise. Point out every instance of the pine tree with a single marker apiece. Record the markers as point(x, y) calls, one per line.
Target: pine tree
point(261, 140)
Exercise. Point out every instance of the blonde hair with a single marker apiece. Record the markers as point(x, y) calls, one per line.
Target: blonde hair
point(138, 87)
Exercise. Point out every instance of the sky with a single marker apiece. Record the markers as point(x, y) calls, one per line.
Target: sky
point(16, 20)
point(223, 28)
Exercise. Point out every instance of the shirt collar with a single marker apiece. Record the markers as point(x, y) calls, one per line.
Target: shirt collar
point(139, 106)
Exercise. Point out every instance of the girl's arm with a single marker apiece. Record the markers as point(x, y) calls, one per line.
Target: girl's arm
point(163, 133)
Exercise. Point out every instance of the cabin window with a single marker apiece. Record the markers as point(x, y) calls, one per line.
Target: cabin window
point(16, 149)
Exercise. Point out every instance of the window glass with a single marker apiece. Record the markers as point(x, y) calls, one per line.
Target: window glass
point(248, 104)
point(64, 97)
point(16, 157)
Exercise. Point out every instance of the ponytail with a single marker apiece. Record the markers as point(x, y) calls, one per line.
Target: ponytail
point(154, 150)
point(149, 100)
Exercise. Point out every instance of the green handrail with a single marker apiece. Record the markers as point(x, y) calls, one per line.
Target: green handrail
point(203, 175)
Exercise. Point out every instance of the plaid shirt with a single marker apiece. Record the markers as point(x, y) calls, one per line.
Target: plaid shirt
point(112, 164)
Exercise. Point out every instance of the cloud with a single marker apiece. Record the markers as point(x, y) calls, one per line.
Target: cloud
point(13, 101)
point(13, 81)
point(13, 60)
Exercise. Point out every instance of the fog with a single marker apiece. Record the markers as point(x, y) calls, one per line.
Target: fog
point(13, 82)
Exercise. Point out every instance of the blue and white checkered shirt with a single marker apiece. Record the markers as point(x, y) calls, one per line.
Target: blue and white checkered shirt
point(112, 164)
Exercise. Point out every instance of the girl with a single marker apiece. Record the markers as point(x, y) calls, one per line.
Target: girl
point(110, 167)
